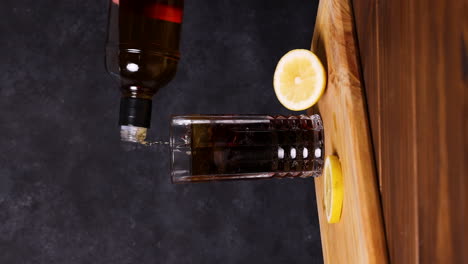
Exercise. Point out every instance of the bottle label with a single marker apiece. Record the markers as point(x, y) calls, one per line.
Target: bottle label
point(164, 12)
point(161, 12)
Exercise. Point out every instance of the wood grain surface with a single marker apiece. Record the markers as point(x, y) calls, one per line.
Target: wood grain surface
point(414, 62)
point(359, 236)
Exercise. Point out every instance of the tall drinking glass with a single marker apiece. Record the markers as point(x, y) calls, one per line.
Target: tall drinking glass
point(227, 147)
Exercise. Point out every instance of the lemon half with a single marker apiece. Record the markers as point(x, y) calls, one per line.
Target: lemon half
point(333, 189)
point(299, 79)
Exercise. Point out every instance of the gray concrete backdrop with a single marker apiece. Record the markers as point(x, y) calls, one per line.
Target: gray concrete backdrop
point(71, 193)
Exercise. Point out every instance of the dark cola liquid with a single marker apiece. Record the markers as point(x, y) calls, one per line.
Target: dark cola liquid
point(279, 147)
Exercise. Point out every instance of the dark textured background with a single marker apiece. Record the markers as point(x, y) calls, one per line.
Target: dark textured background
point(71, 193)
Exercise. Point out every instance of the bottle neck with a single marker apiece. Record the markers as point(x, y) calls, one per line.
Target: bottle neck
point(134, 119)
point(135, 112)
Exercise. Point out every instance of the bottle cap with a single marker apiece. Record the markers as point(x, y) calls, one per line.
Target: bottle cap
point(133, 134)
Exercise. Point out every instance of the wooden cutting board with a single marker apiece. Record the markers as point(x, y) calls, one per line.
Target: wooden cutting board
point(359, 236)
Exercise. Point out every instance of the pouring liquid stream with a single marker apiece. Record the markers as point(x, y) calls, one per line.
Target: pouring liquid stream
point(152, 143)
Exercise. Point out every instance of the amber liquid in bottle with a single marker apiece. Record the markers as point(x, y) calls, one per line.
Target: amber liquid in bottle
point(142, 52)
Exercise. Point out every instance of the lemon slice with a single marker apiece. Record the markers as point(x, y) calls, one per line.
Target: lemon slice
point(333, 189)
point(299, 79)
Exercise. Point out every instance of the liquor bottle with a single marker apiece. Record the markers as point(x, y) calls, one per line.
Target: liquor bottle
point(142, 52)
